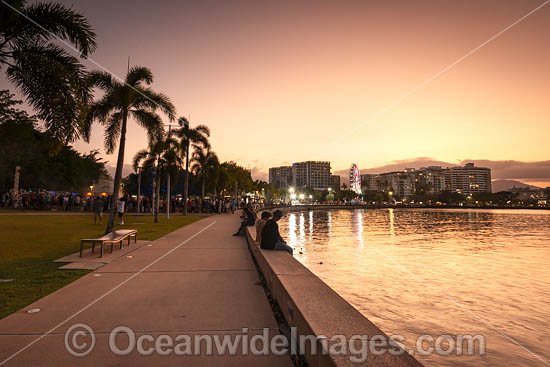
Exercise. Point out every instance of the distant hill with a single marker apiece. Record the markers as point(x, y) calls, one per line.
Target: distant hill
point(503, 185)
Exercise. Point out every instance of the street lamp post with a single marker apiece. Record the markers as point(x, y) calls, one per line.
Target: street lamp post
point(168, 181)
point(139, 190)
point(155, 214)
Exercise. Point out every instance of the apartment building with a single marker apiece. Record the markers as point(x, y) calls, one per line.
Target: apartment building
point(314, 174)
point(281, 177)
point(468, 179)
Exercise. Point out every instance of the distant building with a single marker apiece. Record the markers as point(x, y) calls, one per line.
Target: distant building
point(400, 184)
point(468, 179)
point(335, 179)
point(369, 182)
point(280, 177)
point(314, 174)
point(430, 180)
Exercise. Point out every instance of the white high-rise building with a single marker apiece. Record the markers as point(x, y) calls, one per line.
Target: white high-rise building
point(468, 179)
point(314, 174)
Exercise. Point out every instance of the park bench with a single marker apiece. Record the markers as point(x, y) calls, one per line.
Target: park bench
point(112, 238)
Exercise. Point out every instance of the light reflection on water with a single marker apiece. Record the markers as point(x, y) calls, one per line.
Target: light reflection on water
point(415, 272)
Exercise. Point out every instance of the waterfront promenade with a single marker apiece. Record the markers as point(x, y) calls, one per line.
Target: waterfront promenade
point(198, 280)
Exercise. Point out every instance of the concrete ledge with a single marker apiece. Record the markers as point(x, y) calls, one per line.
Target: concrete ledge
point(311, 306)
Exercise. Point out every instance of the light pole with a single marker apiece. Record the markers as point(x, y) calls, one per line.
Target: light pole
point(139, 190)
point(168, 180)
point(155, 214)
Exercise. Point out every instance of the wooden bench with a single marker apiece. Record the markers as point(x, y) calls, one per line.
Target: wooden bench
point(112, 238)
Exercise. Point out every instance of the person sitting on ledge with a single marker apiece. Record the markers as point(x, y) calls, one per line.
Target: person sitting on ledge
point(260, 226)
point(249, 220)
point(271, 238)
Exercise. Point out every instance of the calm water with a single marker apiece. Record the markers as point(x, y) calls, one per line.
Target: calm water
point(415, 272)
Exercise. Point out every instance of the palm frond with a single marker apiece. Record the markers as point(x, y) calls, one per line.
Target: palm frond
point(50, 21)
point(147, 98)
point(203, 129)
point(54, 85)
point(152, 124)
point(112, 132)
point(182, 121)
point(102, 80)
point(101, 109)
point(138, 75)
point(138, 157)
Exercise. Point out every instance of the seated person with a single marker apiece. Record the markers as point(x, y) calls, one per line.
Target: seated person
point(271, 238)
point(260, 226)
point(249, 220)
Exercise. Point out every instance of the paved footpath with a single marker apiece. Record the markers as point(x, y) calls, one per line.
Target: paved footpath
point(196, 281)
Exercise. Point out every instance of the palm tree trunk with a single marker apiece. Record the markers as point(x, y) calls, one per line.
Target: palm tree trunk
point(186, 183)
point(118, 174)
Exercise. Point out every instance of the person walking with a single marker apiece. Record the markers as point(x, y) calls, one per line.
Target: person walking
point(120, 204)
point(97, 206)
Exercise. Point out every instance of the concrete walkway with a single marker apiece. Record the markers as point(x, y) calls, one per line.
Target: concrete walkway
point(198, 280)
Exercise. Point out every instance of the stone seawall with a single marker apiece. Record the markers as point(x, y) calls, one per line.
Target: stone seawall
point(314, 309)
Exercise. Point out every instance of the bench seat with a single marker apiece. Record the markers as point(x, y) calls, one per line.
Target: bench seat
point(114, 237)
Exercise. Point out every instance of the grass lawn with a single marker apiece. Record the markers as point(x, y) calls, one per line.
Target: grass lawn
point(29, 244)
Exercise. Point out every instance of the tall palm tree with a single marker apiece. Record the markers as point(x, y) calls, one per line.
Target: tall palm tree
point(203, 162)
point(162, 156)
point(130, 99)
point(197, 136)
point(216, 172)
point(52, 80)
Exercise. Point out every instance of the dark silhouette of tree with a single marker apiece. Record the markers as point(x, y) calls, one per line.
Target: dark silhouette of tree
point(52, 80)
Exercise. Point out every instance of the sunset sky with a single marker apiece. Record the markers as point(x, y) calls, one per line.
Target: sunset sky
point(286, 81)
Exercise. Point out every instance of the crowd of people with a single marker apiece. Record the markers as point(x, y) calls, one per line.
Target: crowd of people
point(43, 200)
point(66, 201)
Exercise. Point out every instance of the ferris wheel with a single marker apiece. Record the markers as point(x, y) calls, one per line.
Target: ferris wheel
point(354, 179)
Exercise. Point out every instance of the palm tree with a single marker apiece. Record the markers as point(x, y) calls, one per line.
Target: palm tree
point(203, 162)
point(217, 173)
point(162, 156)
point(197, 136)
point(131, 99)
point(52, 80)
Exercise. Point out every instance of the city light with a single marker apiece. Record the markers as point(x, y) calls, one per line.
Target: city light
point(293, 196)
point(291, 189)
point(302, 196)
